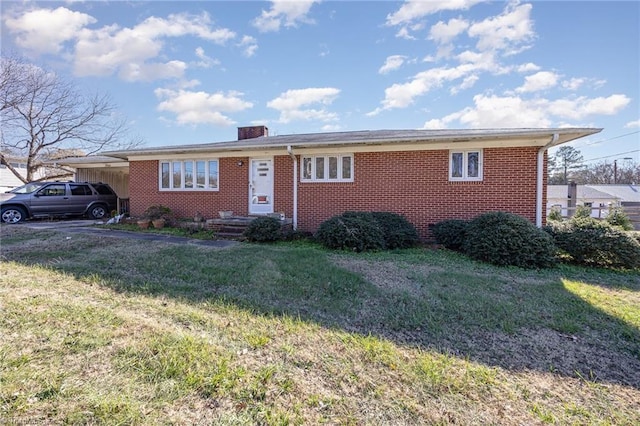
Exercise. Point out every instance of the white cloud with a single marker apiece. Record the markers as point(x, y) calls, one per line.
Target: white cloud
point(205, 61)
point(573, 84)
point(632, 124)
point(467, 83)
point(435, 124)
point(112, 49)
point(201, 107)
point(528, 67)
point(444, 33)
point(392, 63)
point(539, 81)
point(292, 104)
point(510, 31)
point(404, 33)
point(497, 36)
point(284, 12)
point(152, 71)
point(579, 108)
point(61, 25)
point(250, 45)
point(128, 52)
point(402, 95)
point(412, 10)
point(513, 111)
point(508, 111)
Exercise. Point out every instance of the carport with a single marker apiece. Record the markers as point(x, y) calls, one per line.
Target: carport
point(100, 168)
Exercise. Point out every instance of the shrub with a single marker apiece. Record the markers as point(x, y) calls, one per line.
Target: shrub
point(263, 229)
point(354, 231)
point(161, 212)
point(450, 233)
point(555, 214)
point(508, 239)
point(398, 232)
point(591, 242)
point(617, 217)
point(582, 212)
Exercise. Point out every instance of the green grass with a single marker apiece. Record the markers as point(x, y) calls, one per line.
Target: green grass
point(111, 331)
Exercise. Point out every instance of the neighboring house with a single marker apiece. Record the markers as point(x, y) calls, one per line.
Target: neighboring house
point(425, 175)
point(599, 197)
point(558, 197)
point(8, 180)
point(595, 196)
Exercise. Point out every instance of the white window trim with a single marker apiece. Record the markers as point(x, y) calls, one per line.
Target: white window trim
point(193, 171)
point(465, 159)
point(326, 168)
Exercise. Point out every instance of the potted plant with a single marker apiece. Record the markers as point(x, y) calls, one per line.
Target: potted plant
point(143, 223)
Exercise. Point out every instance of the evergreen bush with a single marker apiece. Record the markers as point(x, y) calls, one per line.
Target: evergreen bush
point(354, 231)
point(398, 232)
point(592, 242)
point(555, 214)
point(263, 229)
point(582, 212)
point(450, 233)
point(618, 217)
point(507, 239)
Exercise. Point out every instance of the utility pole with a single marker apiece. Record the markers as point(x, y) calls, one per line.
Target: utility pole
point(615, 168)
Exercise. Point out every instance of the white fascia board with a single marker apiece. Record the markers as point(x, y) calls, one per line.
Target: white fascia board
point(342, 148)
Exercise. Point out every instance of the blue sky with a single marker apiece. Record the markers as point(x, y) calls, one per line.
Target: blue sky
point(190, 72)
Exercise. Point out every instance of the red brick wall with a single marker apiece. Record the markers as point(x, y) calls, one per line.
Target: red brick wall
point(414, 184)
point(233, 193)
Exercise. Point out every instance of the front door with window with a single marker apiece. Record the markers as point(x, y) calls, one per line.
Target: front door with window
point(261, 186)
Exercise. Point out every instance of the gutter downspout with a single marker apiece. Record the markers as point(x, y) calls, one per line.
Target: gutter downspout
point(295, 187)
point(540, 179)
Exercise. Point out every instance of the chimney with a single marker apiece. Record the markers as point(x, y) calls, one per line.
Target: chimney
point(252, 132)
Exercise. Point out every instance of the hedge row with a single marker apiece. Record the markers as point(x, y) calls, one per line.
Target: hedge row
point(506, 239)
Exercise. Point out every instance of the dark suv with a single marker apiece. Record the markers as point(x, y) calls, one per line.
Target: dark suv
point(46, 199)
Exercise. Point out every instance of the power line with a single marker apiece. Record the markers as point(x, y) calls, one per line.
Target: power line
point(610, 139)
point(609, 156)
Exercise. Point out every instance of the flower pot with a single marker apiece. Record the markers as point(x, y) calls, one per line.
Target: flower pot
point(158, 223)
point(143, 224)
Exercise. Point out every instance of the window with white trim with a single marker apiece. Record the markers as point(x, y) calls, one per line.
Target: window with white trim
point(327, 168)
point(465, 165)
point(189, 175)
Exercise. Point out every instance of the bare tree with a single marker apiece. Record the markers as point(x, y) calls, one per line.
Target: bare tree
point(603, 173)
point(43, 115)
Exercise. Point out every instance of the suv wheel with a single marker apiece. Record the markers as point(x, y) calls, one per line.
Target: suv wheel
point(13, 214)
point(97, 212)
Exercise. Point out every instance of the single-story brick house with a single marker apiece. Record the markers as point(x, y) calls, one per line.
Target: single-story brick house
point(425, 175)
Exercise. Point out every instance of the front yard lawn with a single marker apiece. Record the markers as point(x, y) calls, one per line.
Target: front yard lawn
point(113, 331)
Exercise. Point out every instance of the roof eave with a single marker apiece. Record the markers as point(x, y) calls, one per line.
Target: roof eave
point(539, 137)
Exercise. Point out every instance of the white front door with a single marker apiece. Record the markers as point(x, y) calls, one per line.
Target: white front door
point(261, 186)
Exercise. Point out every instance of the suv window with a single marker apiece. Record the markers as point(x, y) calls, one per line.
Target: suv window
point(80, 189)
point(53, 190)
point(103, 189)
